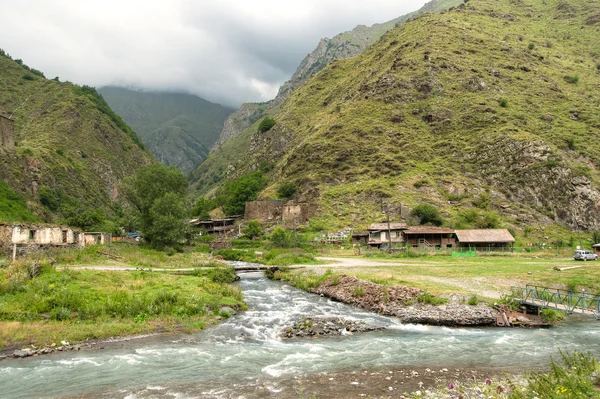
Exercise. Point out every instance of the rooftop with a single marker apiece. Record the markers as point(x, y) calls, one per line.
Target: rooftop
point(484, 235)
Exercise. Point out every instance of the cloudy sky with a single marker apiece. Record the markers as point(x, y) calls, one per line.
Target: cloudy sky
point(227, 51)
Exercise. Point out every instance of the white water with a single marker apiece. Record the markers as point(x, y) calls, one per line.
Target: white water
point(247, 347)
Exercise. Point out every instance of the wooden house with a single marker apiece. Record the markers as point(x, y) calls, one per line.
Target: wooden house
point(429, 236)
point(222, 226)
point(380, 234)
point(484, 238)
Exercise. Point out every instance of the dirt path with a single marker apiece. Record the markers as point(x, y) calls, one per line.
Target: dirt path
point(126, 268)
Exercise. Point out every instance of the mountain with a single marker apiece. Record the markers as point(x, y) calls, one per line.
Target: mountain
point(344, 45)
point(179, 129)
point(67, 142)
point(488, 112)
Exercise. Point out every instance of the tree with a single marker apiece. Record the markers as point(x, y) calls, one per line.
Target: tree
point(158, 193)
point(235, 193)
point(280, 237)
point(286, 190)
point(203, 207)
point(428, 214)
point(253, 229)
point(266, 124)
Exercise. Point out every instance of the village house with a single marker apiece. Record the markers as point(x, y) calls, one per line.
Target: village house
point(222, 226)
point(429, 236)
point(96, 238)
point(380, 234)
point(484, 238)
point(22, 238)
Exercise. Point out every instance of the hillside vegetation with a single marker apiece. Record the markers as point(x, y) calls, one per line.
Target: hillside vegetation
point(179, 129)
point(344, 45)
point(68, 143)
point(488, 112)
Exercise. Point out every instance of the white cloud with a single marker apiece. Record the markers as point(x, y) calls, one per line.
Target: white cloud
point(227, 51)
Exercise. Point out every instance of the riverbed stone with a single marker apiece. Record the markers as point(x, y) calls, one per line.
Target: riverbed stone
point(326, 326)
point(21, 353)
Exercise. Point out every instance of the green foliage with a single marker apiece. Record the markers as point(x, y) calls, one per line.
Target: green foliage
point(575, 376)
point(552, 316)
point(483, 202)
point(358, 291)
point(280, 237)
point(235, 193)
point(28, 76)
point(427, 298)
point(473, 301)
point(531, 46)
point(203, 207)
point(286, 190)
point(220, 274)
point(13, 207)
point(596, 236)
point(253, 229)
point(427, 214)
point(574, 79)
point(503, 103)
point(266, 124)
point(474, 218)
point(158, 194)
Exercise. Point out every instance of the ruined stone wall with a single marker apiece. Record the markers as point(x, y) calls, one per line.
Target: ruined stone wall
point(7, 134)
point(279, 211)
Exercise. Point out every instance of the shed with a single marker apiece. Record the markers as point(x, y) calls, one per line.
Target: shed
point(495, 238)
point(596, 248)
point(378, 233)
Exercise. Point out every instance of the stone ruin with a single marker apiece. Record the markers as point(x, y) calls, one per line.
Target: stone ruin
point(280, 211)
point(7, 134)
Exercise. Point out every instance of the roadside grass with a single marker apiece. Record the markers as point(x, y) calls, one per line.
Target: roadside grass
point(82, 304)
point(270, 256)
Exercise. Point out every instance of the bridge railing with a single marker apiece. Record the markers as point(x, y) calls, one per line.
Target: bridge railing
point(568, 301)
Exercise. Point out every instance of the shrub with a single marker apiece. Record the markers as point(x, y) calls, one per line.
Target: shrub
point(430, 299)
point(266, 124)
point(253, 229)
point(280, 237)
point(552, 316)
point(503, 102)
point(473, 301)
point(358, 292)
point(235, 193)
point(28, 76)
point(531, 46)
point(286, 190)
point(427, 214)
point(572, 79)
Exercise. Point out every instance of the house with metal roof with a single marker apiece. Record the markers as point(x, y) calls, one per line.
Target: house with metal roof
point(485, 238)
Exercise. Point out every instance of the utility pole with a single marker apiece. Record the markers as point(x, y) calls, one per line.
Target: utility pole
point(385, 209)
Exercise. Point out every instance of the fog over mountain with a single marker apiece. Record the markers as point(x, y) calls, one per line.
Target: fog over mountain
point(227, 51)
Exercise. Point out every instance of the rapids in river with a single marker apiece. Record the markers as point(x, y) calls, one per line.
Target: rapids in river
point(227, 358)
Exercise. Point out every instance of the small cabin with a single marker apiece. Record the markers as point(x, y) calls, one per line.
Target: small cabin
point(222, 226)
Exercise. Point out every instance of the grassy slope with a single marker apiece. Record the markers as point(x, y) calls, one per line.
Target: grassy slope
point(178, 128)
point(421, 114)
point(13, 207)
point(63, 140)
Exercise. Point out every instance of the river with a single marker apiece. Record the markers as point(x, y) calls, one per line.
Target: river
point(245, 355)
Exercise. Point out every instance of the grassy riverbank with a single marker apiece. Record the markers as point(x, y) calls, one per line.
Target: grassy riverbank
point(43, 305)
point(487, 277)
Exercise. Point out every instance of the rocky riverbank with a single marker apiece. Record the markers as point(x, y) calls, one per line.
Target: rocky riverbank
point(327, 326)
point(404, 303)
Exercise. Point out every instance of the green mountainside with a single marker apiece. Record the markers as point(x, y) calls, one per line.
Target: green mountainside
point(179, 129)
point(68, 144)
point(489, 112)
point(344, 45)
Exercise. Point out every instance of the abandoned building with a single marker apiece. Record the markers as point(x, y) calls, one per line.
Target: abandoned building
point(484, 238)
point(429, 236)
point(223, 226)
point(380, 234)
point(96, 238)
point(22, 238)
point(7, 134)
point(279, 211)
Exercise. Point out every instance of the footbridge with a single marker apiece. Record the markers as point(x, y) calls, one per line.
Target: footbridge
point(566, 301)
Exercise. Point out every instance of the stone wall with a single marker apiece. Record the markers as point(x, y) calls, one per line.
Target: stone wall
point(279, 211)
point(7, 134)
point(31, 236)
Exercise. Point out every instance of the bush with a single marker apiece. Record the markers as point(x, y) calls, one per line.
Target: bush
point(473, 301)
point(531, 46)
point(428, 214)
point(235, 193)
point(286, 190)
point(266, 124)
point(572, 79)
point(552, 316)
point(430, 299)
point(28, 76)
point(280, 237)
point(253, 229)
point(503, 102)
point(221, 274)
